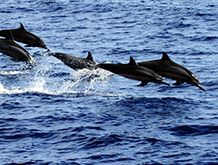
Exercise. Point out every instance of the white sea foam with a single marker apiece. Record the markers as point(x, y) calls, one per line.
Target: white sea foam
point(13, 72)
point(1, 88)
point(84, 82)
point(14, 90)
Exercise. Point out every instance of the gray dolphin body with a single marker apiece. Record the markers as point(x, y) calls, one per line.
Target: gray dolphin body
point(17, 53)
point(76, 63)
point(23, 36)
point(167, 68)
point(133, 71)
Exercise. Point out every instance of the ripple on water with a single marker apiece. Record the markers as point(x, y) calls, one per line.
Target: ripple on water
point(194, 130)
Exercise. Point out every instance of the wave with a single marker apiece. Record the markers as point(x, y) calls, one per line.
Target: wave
point(194, 130)
point(154, 102)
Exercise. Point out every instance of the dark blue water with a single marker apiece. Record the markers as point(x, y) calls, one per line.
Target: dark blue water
point(54, 115)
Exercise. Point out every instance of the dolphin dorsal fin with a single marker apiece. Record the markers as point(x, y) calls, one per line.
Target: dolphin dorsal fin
point(10, 36)
point(132, 61)
point(89, 57)
point(22, 27)
point(165, 56)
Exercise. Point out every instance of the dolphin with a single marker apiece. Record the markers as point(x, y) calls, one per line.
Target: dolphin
point(133, 71)
point(23, 36)
point(17, 53)
point(76, 63)
point(168, 68)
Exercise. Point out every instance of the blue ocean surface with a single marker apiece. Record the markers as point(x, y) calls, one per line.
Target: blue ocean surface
point(51, 114)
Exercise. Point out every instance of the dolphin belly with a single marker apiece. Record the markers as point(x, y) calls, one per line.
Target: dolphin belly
point(133, 77)
point(173, 76)
point(145, 79)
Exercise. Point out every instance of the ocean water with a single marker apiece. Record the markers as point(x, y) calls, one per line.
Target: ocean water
point(51, 114)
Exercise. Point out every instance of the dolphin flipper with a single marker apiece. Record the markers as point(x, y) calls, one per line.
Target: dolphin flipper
point(143, 83)
point(163, 82)
point(28, 45)
point(14, 59)
point(178, 82)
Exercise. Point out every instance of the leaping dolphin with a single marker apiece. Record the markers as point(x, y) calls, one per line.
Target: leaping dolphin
point(76, 63)
point(17, 53)
point(133, 71)
point(22, 35)
point(167, 68)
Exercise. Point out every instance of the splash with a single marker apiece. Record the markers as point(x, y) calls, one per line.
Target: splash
point(14, 72)
point(38, 84)
point(90, 80)
point(81, 82)
point(2, 89)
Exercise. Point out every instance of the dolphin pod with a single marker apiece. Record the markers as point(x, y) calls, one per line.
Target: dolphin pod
point(23, 36)
point(163, 67)
point(133, 71)
point(169, 69)
point(15, 51)
point(146, 71)
point(9, 47)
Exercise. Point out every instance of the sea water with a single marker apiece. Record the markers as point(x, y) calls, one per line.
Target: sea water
point(51, 114)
